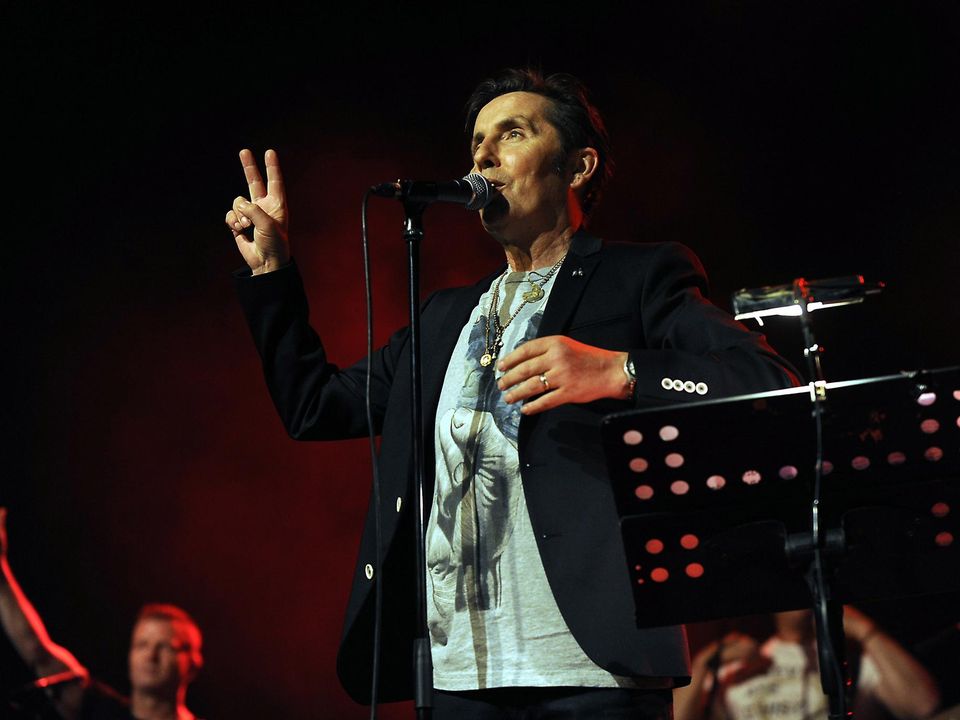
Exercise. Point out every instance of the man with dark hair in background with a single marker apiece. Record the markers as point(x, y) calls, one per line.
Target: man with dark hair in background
point(165, 656)
point(530, 608)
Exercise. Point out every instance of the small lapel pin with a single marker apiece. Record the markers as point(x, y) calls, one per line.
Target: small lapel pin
point(577, 272)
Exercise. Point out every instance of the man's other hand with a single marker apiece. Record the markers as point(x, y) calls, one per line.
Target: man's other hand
point(557, 370)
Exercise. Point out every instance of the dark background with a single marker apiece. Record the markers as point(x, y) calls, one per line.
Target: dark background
point(142, 456)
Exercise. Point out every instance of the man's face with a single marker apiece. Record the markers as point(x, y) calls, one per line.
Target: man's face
point(517, 149)
point(159, 656)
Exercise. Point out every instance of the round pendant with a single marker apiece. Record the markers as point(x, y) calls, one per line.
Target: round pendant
point(486, 359)
point(533, 294)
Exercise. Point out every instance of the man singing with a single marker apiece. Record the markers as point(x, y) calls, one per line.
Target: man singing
point(529, 603)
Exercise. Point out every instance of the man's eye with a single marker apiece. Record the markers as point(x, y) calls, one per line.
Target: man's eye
point(515, 133)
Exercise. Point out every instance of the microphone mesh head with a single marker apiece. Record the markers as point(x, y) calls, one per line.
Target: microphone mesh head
point(482, 191)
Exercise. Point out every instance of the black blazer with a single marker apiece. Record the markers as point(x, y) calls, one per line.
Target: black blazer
point(647, 299)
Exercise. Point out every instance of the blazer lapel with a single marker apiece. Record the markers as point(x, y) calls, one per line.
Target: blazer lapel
point(438, 347)
point(572, 279)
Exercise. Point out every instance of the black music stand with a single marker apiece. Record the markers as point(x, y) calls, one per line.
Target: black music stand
point(714, 498)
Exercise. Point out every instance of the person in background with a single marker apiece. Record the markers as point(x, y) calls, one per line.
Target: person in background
point(781, 679)
point(165, 656)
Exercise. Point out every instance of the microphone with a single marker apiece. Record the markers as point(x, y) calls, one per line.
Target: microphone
point(473, 191)
point(56, 679)
point(25, 693)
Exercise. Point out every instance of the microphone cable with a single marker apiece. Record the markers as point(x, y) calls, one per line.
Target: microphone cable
point(378, 564)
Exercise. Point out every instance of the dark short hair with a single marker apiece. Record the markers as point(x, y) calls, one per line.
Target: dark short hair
point(571, 112)
point(172, 613)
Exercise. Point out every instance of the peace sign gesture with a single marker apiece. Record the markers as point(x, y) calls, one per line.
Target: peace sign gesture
point(265, 212)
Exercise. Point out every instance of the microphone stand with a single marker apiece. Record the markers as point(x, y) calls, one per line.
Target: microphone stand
point(824, 543)
point(422, 659)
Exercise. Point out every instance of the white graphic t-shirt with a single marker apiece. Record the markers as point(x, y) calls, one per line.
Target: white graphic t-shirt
point(493, 619)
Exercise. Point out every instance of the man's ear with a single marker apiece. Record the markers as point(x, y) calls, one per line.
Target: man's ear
point(585, 161)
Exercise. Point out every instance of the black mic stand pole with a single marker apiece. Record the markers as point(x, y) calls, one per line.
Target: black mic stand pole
point(422, 660)
point(828, 612)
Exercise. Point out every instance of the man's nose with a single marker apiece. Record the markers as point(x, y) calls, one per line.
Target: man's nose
point(485, 156)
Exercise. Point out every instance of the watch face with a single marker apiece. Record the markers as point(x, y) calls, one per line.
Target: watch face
point(631, 370)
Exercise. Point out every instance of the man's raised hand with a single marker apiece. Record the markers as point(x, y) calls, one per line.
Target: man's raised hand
point(265, 212)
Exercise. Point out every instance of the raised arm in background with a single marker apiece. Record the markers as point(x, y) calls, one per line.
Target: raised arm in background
point(22, 624)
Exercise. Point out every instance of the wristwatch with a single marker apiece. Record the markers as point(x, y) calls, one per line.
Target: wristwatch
point(631, 372)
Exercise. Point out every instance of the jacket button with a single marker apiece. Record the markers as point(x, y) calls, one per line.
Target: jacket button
point(689, 386)
point(701, 388)
point(678, 385)
point(368, 571)
point(666, 384)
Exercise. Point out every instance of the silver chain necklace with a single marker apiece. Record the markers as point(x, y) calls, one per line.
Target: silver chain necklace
point(535, 293)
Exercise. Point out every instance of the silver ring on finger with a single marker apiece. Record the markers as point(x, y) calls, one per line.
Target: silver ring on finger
point(544, 381)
